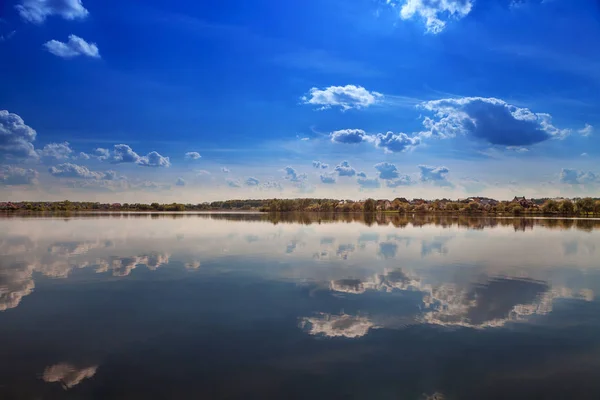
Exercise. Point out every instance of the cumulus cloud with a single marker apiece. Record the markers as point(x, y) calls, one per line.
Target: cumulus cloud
point(10, 175)
point(493, 304)
point(402, 180)
point(83, 156)
point(37, 11)
point(345, 97)
point(122, 153)
point(293, 176)
point(434, 13)
point(16, 282)
point(59, 151)
point(489, 119)
point(252, 181)
point(396, 142)
point(74, 47)
point(354, 286)
point(233, 183)
point(391, 142)
point(386, 170)
point(368, 183)
point(192, 155)
point(122, 266)
point(320, 165)
point(337, 325)
point(435, 175)
point(344, 169)
point(68, 375)
point(575, 177)
point(153, 159)
point(69, 170)
point(350, 136)
point(587, 130)
point(15, 137)
point(225, 170)
point(328, 179)
point(180, 182)
point(361, 175)
point(102, 154)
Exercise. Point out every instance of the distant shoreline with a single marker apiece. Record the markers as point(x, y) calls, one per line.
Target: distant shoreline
point(476, 206)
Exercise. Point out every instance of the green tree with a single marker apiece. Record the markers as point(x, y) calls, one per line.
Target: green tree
point(550, 207)
point(369, 206)
point(566, 207)
point(585, 205)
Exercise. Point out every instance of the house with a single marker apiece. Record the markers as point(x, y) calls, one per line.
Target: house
point(523, 202)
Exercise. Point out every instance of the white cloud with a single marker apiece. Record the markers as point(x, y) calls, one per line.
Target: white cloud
point(344, 169)
point(59, 151)
point(435, 175)
point(180, 182)
point(252, 181)
point(153, 159)
point(67, 374)
point(37, 11)
point(293, 176)
point(122, 153)
point(345, 97)
point(386, 170)
point(489, 119)
point(83, 156)
point(320, 165)
point(391, 142)
point(192, 155)
point(575, 177)
point(434, 13)
point(587, 130)
point(15, 137)
point(225, 170)
point(338, 325)
point(69, 170)
point(396, 142)
point(350, 136)
point(102, 154)
point(328, 179)
point(10, 175)
point(233, 183)
point(74, 47)
point(402, 180)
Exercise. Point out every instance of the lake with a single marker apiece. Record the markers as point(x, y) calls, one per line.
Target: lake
point(252, 306)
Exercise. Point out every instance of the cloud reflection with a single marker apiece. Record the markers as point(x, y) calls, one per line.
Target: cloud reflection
point(68, 375)
point(343, 325)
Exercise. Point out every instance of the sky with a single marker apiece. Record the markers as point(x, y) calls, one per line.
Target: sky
point(185, 101)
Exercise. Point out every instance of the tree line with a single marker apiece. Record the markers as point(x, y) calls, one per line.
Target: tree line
point(474, 206)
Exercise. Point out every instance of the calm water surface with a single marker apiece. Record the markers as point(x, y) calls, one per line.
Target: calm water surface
point(253, 306)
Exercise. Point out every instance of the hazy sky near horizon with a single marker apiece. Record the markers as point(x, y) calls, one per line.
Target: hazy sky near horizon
point(196, 101)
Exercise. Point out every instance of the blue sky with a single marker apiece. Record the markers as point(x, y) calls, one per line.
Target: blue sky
point(196, 101)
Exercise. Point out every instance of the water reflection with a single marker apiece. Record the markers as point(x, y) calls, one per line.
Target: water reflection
point(68, 375)
point(215, 293)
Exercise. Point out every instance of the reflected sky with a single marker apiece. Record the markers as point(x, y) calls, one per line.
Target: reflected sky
point(96, 306)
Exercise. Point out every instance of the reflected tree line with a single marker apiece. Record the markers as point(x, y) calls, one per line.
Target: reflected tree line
point(472, 206)
point(380, 219)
